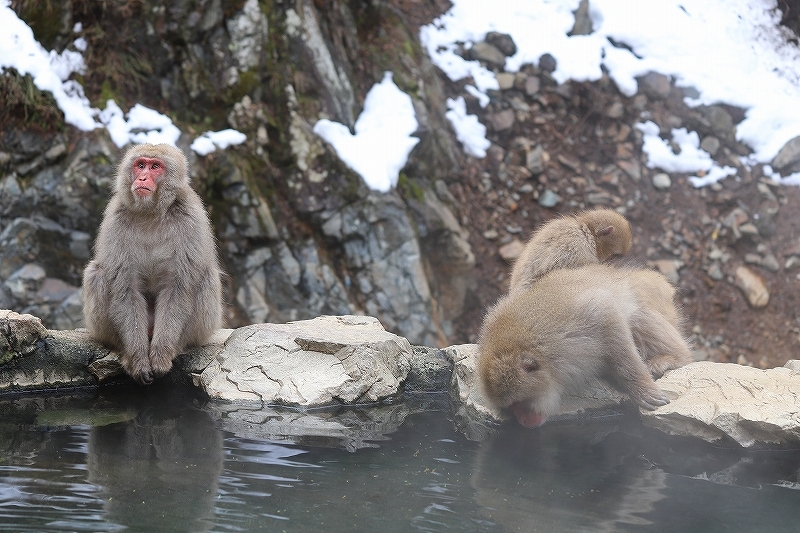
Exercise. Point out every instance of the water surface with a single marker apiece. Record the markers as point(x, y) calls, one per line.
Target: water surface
point(161, 460)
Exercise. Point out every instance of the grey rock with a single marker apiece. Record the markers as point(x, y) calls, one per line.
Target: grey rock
point(656, 85)
point(56, 152)
point(39, 238)
point(69, 313)
point(430, 371)
point(474, 413)
point(487, 53)
point(549, 198)
point(631, 167)
point(55, 290)
point(536, 160)
point(248, 31)
point(324, 361)
point(770, 262)
point(19, 334)
point(615, 110)
point(547, 63)
point(662, 181)
point(26, 281)
point(720, 120)
point(532, 85)
point(716, 402)
point(304, 24)
point(715, 272)
point(501, 41)
point(788, 159)
point(710, 144)
point(33, 358)
point(583, 23)
point(501, 120)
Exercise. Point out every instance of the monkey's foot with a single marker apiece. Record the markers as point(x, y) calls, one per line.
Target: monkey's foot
point(651, 399)
point(161, 360)
point(138, 370)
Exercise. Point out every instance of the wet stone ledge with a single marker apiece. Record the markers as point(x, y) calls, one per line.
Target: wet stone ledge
point(353, 362)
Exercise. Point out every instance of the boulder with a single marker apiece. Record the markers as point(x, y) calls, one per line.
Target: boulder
point(328, 360)
point(721, 402)
point(33, 358)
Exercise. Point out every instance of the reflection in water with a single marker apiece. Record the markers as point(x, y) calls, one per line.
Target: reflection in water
point(622, 477)
point(158, 471)
point(560, 479)
point(157, 460)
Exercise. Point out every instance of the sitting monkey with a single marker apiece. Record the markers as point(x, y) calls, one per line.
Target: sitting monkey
point(153, 287)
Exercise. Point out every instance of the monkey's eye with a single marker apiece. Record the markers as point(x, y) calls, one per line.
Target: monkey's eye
point(140, 164)
point(529, 365)
point(156, 166)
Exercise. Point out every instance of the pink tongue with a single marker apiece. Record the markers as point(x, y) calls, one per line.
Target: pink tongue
point(525, 416)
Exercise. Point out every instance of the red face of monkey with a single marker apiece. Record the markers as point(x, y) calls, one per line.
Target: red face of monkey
point(146, 171)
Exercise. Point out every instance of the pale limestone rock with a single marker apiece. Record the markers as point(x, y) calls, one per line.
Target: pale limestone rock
point(718, 400)
point(512, 250)
point(324, 361)
point(19, 334)
point(752, 286)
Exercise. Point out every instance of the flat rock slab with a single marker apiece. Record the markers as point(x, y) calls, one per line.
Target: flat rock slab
point(324, 361)
point(716, 401)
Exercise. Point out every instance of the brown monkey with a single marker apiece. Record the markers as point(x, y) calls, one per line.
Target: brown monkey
point(153, 287)
point(576, 324)
point(568, 242)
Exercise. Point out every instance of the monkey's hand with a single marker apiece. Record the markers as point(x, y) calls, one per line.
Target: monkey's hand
point(161, 359)
point(651, 399)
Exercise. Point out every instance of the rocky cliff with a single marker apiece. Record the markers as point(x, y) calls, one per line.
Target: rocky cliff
point(299, 233)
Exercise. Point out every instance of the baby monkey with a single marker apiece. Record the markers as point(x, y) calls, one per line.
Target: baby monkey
point(576, 324)
point(572, 241)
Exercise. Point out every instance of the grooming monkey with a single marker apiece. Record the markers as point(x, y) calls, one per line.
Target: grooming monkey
point(575, 324)
point(587, 238)
point(153, 287)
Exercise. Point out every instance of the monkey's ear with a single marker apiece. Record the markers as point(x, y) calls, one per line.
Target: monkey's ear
point(605, 231)
point(529, 364)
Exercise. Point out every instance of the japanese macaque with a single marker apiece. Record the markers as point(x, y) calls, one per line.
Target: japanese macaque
point(153, 287)
point(587, 238)
point(576, 324)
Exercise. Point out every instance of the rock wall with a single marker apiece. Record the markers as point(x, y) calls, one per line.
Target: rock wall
point(299, 233)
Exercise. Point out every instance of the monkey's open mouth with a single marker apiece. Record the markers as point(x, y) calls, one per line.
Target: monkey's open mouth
point(527, 416)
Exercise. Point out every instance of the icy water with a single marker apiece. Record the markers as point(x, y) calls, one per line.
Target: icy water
point(157, 460)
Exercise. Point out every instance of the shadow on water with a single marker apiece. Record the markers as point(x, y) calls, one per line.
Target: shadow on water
point(162, 459)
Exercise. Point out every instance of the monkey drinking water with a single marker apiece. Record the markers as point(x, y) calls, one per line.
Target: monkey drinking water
point(587, 238)
point(153, 287)
point(573, 325)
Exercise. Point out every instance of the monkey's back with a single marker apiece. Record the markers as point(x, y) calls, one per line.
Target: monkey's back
point(558, 244)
